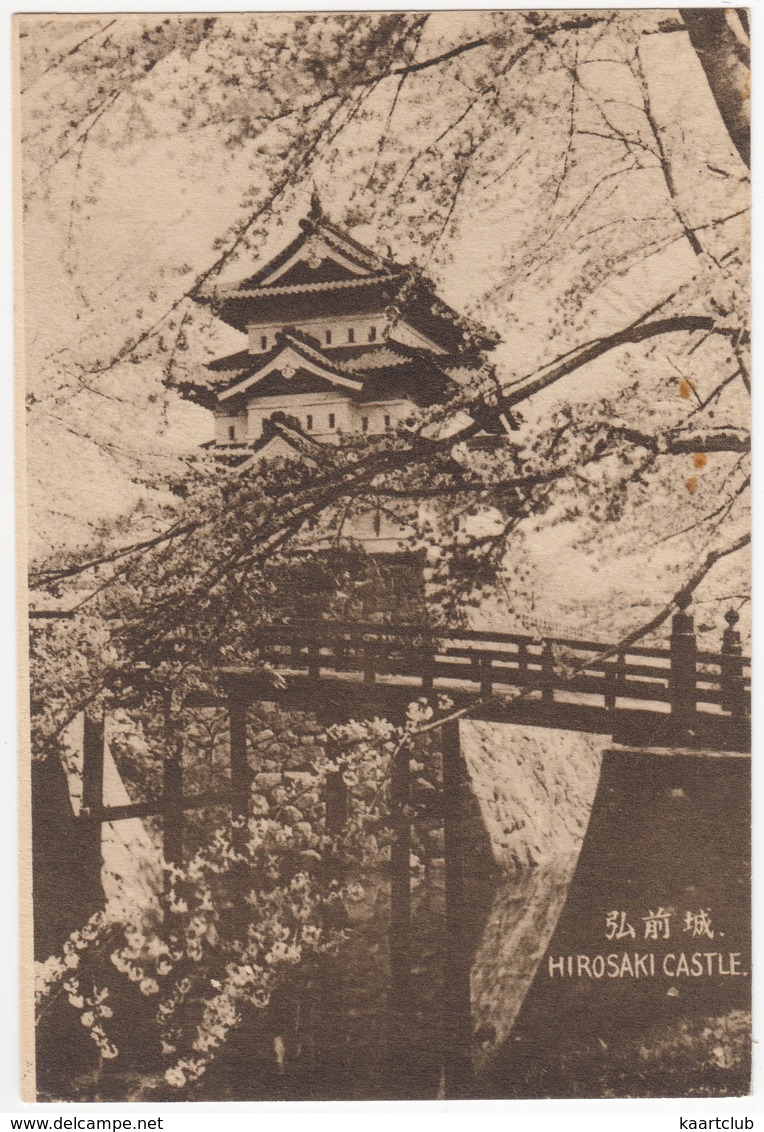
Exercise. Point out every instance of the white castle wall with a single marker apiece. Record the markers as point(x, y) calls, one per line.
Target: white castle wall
point(313, 411)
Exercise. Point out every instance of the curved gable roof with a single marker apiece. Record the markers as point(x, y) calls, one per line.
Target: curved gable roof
point(326, 268)
point(292, 366)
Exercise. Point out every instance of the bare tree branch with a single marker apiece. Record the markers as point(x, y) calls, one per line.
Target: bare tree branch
point(688, 323)
point(677, 443)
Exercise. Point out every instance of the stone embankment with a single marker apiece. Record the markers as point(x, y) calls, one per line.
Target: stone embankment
point(532, 791)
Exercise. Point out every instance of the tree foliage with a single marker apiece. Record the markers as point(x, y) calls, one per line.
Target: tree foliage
point(549, 170)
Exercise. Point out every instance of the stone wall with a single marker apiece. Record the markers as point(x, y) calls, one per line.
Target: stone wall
point(534, 786)
point(667, 848)
point(533, 789)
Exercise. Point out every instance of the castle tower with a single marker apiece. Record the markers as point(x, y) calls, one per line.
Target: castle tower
point(339, 341)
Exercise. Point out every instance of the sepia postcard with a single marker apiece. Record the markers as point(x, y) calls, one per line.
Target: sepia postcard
point(383, 428)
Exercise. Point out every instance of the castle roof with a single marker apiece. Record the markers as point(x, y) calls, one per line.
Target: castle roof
point(325, 271)
point(282, 435)
point(297, 364)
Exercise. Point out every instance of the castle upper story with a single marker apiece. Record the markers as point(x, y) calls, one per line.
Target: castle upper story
point(339, 341)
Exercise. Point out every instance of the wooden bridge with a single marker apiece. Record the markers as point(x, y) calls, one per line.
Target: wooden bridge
point(675, 695)
point(672, 696)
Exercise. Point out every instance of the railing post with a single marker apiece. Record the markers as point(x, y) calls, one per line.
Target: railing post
point(733, 700)
point(547, 673)
point(486, 679)
point(457, 1001)
point(613, 679)
point(683, 676)
point(314, 662)
point(522, 664)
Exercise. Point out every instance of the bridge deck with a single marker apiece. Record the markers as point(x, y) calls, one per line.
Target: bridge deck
point(507, 677)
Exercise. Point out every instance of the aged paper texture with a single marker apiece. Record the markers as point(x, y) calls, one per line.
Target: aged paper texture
point(385, 526)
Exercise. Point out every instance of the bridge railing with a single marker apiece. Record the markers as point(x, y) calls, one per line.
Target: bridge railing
point(677, 674)
point(703, 695)
point(677, 678)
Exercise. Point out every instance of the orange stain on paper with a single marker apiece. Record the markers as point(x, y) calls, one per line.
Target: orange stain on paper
point(699, 460)
point(685, 389)
point(692, 484)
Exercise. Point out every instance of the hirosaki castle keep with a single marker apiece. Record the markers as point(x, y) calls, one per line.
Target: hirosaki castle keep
point(340, 341)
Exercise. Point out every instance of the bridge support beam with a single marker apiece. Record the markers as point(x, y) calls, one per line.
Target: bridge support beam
point(457, 1006)
point(400, 921)
point(172, 789)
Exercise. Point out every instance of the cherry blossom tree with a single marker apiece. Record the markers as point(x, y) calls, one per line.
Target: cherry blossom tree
point(550, 170)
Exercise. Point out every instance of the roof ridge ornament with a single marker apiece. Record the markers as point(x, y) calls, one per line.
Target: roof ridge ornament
point(316, 212)
point(314, 250)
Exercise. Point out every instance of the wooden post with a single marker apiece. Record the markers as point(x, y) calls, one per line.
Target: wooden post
point(92, 764)
point(314, 662)
point(457, 1008)
point(683, 672)
point(522, 664)
point(400, 918)
point(428, 664)
point(240, 776)
point(336, 799)
point(733, 700)
point(336, 803)
point(172, 797)
point(547, 673)
point(91, 837)
point(613, 679)
point(486, 679)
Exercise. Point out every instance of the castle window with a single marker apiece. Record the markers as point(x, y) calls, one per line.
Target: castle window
point(231, 432)
point(331, 420)
point(328, 337)
point(351, 335)
point(263, 343)
point(309, 422)
point(387, 420)
point(365, 424)
point(372, 333)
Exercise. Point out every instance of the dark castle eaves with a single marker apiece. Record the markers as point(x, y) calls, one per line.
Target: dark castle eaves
point(266, 291)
